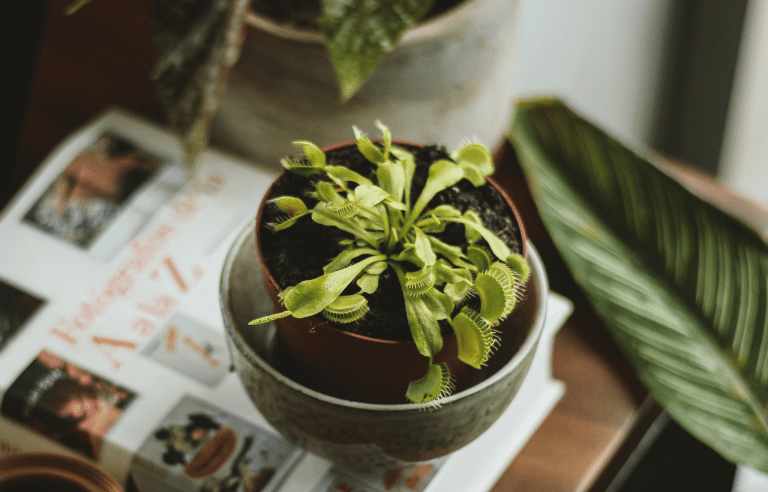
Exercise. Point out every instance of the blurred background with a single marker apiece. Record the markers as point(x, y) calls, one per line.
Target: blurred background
point(684, 78)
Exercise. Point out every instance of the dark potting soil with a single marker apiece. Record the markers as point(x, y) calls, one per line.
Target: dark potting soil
point(300, 252)
point(304, 14)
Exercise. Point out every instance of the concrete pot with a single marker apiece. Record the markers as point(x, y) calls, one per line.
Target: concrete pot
point(447, 80)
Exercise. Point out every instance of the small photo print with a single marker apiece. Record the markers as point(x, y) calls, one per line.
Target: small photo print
point(192, 349)
point(199, 447)
point(94, 187)
point(16, 308)
point(66, 402)
point(413, 478)
point(333, 482)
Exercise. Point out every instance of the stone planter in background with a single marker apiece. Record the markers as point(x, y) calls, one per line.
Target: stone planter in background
point(448, 79)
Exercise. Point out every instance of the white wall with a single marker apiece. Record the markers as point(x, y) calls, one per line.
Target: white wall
point(603, 57)
point(744, 157)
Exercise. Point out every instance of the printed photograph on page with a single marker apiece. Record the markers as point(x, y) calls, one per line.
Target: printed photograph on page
point(66, 402)
point(414, 478)
point(16, 308)
point(203, 448)
point(92, 190)
point(192, 349)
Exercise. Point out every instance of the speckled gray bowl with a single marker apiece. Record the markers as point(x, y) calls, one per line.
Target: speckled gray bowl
point(363, 434)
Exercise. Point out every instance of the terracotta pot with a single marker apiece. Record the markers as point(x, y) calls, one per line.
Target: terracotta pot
point(55, 472)
point(350, 366)
point(447, 79)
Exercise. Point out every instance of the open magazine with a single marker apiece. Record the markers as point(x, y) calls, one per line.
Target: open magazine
point(112, 342)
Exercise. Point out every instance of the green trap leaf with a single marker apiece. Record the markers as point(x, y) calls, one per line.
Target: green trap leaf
point(475, 337)
point(436, 383)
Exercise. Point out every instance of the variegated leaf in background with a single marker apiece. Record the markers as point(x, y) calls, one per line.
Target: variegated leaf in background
point(359, 32)
point(682, 287)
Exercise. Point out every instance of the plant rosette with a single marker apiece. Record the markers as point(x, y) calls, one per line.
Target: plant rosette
point(392, 268)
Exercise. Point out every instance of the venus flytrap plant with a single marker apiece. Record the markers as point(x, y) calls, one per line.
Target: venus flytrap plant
point(392, 232)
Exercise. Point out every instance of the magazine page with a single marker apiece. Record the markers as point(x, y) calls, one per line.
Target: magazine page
point(113, 255)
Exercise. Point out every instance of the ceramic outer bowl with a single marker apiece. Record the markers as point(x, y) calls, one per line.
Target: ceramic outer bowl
point(364, 434)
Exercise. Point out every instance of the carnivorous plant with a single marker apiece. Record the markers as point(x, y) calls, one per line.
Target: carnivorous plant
point(392, 231)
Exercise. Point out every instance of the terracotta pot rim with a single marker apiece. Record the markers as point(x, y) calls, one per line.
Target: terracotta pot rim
point(538, 278)
point(80, 472)
point(423, 31)
point(325, 324)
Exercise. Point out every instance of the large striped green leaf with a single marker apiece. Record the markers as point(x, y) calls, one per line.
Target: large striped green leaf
point(682, 287)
